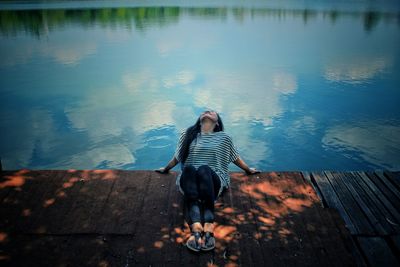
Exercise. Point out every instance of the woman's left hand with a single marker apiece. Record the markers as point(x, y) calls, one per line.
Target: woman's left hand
point(161, 170)
point(252, 171)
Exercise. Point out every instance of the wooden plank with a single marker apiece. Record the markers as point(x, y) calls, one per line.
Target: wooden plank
point(395, 239)
point(247, 229)
point(89, 198)
point(176, 227)
point(385, 217)
point(390, 190)
point(15, 209)
point(281, 228)
point(381, 197)
point(384, 189)
point(150, 240)
point(339, 234)
point(267, 197)
point(336, 232)
point(373, 203)
point(377, 251)
point(277, 207)
point(320, 229)
point(39, 199)
point(174, 222)
point(68, 250)
point(362, 199)
point(300, 205)
point(395, 179)
point(308, 177)
point(333, 200)
point(64, 194)
point(104, 181)
point(55, 203)
point(120, 212)
point(271, 220)
point(356, 214)
point(5, 184)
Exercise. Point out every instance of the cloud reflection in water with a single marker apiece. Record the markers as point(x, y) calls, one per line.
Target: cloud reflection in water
point(375, 142)
point(136, 77)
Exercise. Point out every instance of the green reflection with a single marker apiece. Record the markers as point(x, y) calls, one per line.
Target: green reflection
point(39, 22)
point(371, 19)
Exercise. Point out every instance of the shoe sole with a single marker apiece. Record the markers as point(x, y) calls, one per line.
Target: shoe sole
point(207, 249)
point(192, 248)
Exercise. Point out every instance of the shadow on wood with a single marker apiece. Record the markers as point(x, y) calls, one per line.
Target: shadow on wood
point(135, 218)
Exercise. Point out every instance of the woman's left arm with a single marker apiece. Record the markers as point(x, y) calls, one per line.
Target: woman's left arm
point(241, 164)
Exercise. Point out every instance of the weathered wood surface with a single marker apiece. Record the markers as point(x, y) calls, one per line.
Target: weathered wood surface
point(135, 218)
point(369, 202)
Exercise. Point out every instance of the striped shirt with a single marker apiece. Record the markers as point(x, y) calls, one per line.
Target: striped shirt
point(213, 149)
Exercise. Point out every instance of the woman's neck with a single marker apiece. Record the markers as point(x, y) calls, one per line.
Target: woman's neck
point(207, 127)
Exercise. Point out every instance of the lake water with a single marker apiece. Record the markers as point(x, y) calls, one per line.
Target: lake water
point(300, 85)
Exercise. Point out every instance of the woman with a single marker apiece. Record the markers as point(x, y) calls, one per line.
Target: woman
point(205, 151)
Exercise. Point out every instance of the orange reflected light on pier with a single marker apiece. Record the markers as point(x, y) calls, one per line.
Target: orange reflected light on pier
point(267, 207)
point(48, 202)
point(26, 212)
point(70, 182)
point(3, 237)
point(17, 180)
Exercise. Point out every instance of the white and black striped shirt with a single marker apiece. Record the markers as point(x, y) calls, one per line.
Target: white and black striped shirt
point(213, 149)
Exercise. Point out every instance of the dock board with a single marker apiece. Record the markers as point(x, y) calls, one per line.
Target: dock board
point(369, 204)
point(135, 218)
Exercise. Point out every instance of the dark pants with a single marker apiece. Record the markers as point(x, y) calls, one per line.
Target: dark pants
point(201, 189)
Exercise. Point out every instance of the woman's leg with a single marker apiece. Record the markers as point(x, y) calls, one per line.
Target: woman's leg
point(209, 185)
point(189, 186)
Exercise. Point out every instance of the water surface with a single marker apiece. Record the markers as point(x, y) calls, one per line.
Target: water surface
point(112, 84)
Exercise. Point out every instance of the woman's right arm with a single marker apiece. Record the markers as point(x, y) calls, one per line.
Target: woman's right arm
point(175, 159)
point(172, 163)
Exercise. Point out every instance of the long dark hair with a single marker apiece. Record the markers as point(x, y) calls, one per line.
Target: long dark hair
point(191, 134)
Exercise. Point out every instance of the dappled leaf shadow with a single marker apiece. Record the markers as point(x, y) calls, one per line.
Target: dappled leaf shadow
point(275, 215)
point(135, 218)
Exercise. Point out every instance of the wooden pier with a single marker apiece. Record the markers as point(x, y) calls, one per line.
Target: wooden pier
point(369, 203)
point(134, 218)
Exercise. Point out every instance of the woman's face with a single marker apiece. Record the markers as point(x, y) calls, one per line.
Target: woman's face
point(212, 115)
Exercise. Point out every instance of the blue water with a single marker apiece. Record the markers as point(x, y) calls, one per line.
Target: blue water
point(306, 85)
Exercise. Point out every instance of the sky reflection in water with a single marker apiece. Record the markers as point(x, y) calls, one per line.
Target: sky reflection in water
point(298, 89)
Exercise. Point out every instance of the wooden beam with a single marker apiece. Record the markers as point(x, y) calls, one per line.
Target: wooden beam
point(381, 197)
point(377, 205)
point(391, 191)
point(377, 251)
point(333, 200)
point(395, 179)
point(396, 241)
point(308, 177)
point(361, 199)
point(357, 216)
point(373, 204)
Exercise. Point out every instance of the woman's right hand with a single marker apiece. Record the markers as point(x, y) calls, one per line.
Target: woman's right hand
point(162, 170)
point(252, 171)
